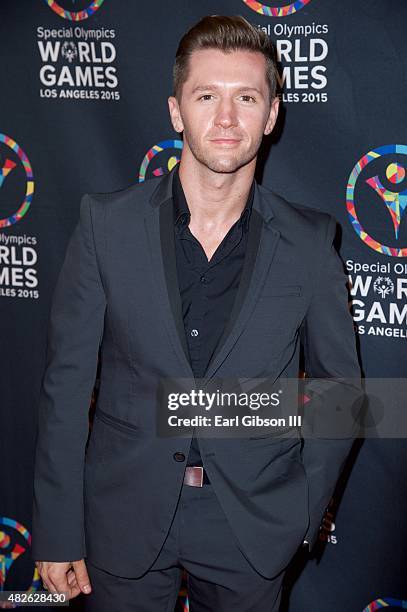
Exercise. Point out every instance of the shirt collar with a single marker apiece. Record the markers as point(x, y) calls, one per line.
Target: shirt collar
point(181, 210)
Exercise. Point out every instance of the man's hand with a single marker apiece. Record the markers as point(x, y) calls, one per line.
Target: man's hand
point(70, 577)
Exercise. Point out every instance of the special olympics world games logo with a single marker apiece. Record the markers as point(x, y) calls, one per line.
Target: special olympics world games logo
point(385, 602)
point(375, 186)
point(171, 160)
point(276, 11)
point(14, 541)
point(7, 166)
point(75, 15)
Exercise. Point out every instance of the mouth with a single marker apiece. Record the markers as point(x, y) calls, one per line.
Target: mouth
point(225, 141)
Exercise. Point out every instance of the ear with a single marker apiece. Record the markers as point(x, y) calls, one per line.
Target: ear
point(272, 118)
point(175, 114)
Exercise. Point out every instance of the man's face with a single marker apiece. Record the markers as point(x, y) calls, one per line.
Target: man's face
point(224, 109)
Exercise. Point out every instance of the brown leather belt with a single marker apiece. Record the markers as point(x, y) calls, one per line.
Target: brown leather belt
point(195, 476)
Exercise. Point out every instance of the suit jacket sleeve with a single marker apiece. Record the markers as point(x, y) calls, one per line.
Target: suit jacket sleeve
point(74, 334)
point(330, 352)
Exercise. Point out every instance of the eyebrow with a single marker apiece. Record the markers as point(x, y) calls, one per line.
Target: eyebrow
point(215, 87)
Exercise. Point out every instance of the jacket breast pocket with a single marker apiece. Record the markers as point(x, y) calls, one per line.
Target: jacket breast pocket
point(277, 315)
point(281, 291)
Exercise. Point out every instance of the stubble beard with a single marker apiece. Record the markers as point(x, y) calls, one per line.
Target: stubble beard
point(225, 163)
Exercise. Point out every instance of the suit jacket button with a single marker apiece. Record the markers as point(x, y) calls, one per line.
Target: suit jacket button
point(179, 456)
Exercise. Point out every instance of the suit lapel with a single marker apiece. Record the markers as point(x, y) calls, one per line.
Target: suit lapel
point(170, 269)
point(255, 227)
point(261, 247)
point(160, 230)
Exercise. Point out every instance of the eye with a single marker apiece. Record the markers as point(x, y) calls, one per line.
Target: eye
point(247, 98)
point(206, 97)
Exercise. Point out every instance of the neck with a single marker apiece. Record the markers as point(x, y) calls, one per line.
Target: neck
point(215, 199)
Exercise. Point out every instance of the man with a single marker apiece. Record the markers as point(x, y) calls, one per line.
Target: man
point(200, 273)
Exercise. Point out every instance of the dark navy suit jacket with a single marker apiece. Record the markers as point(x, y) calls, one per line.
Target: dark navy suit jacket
point(113, 500)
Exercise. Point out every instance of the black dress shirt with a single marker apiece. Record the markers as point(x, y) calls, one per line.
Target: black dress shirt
point(207, 288)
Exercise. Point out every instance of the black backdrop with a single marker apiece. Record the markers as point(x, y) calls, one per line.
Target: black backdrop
point(83, 109)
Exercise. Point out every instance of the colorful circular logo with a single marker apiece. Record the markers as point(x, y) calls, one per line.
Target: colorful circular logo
point(6, 169)
point(75, 15)
point(10, 550)
point(155, 150)
point(385, 602)
point(395, 201)
point(276, 11)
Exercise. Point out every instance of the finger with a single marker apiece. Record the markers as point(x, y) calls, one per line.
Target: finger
point(57, 582)
point(7, 605)
point(74, 591)
point(47, 583)
point(69, 591)
point(66, 583)
point(49, 586)
point(82, 577)
point(71, 577)
point(73, 584)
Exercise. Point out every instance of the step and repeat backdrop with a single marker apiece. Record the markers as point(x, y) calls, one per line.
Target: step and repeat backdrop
point(83, 108)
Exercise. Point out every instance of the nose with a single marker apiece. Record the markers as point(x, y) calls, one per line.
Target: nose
point(226, 116)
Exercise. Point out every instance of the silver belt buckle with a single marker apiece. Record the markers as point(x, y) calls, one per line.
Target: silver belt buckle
point(193, 476)
point(200, 470)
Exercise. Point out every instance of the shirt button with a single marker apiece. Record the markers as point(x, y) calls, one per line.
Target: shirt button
point(203, 279)
point(179, 456)
point(194, 332)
